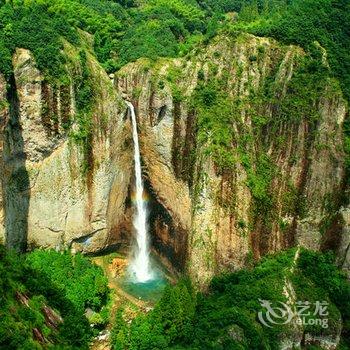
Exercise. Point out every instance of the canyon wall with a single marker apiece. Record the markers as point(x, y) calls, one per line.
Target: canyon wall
point(55, 193)
point(280, 181)
point(286, 184)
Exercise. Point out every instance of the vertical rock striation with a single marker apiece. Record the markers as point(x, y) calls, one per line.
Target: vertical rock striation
point(285, 184)
point(49, 199)
point(269, 177)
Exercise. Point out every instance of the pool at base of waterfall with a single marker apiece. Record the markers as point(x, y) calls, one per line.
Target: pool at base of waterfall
point(117, 268)
point(150, 291)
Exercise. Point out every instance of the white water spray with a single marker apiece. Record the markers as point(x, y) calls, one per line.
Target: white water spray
point(140, 265)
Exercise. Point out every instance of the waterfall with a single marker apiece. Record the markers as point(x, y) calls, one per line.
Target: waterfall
point(140, 264)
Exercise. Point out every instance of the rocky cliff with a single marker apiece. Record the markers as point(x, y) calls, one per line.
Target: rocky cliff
point(241, 156)
point(56, 192)
point(279, 182)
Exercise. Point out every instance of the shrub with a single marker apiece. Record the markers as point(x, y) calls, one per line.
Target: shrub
point(83, 283)
point(226, 316)
point(47, 278)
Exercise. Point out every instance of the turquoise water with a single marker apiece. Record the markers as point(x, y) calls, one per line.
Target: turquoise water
point(149, 291)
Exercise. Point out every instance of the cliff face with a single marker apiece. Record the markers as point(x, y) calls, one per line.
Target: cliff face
point(4, 114)
point(284, 186)
point(55, 194)
point(271, 178)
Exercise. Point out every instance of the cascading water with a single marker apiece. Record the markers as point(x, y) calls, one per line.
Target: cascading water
point(140, 265)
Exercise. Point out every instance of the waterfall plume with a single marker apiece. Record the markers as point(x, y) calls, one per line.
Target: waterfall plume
point(140, 265)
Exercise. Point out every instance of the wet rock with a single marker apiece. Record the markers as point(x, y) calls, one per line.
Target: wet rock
point(118, 266)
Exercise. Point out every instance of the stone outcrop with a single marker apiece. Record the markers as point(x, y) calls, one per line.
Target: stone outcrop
point(344, 246)
point(49, 200)
point(4, 115)
point(216, 213)
point(204, 219)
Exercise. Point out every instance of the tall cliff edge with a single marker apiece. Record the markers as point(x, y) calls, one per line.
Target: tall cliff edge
point(242, 149)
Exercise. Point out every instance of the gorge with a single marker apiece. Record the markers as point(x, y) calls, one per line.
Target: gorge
point(210, 137)
point(194, 224)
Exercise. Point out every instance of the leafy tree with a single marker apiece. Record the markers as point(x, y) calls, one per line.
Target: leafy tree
point(226, 316)
point(327, 21)
point(84, 284)
point(120, 332)
point(150, 39)
point(28, 284)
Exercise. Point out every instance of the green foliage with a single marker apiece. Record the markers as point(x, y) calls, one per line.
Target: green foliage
point(347, 148)
point(125, 30)
point(150, 39)
point(226, 316)
point(159, 28)
point(174, 77)
point(221, 6)
point(305, 21)
point(101, 18)
point(83, 283)
point(120, 332)
point(31, 26)
point(269, 112)
point(162, 28)
point(175, 312)
point(306, 86)
point(120, 34)
point(40, 26)
point(234, 299)
point(259, 180)
point(84, 93)
point(28, 284)
point(170, 322)
point(215, 113)
point(188, 12)
point(324, 275)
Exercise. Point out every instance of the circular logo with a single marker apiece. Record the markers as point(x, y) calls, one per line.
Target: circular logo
point(275, 315)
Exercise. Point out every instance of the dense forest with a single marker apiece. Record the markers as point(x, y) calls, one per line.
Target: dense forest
point(184, 320)
point(60, 300)
point(124, 31)
point(40, 290)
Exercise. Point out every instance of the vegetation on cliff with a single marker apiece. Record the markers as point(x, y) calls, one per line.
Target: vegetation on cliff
point(126, 30)
point(269, 106)
point(226, 316)
point(43, 297)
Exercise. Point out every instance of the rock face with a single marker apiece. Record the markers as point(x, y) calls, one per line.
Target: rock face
point(283, 186)
point(48, 199)
point(4, 115)
point(217, 215)
point(344, 246)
